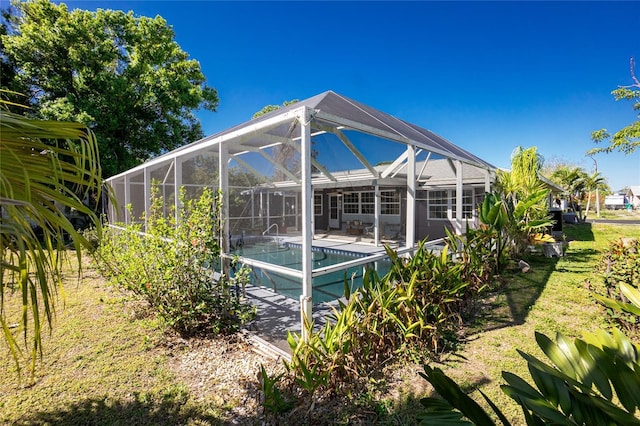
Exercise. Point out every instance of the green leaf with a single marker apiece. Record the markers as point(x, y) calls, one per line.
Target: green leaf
point(631, 293)
point(451, 392)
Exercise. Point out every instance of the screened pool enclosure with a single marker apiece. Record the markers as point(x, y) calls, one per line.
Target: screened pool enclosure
point(327, 168)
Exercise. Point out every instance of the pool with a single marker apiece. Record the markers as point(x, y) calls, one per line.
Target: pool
point(326, 288)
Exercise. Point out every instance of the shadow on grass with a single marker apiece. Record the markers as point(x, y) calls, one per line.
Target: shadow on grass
point(579, 232)
point(170, 411)
point(512, 303)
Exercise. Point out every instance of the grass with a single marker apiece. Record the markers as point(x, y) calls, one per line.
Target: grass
point(104, 363)
point(616, 214)
point(552, 298)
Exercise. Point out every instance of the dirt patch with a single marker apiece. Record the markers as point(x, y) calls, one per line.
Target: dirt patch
point(225, 373)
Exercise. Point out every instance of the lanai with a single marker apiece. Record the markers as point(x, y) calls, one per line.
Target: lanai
point(324, 143)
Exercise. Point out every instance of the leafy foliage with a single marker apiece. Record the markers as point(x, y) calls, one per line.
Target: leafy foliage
point(627, 139)
point(273, 400)
point(519, 207)
point(172, 266)
point(412, 311)
point(493, 215)
point(511, 222)
point(454, 406)
point(619, 268)
point(46, 169)
point(594, 380)
point(123, 76)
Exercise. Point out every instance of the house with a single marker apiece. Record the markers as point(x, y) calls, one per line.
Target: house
point(633, 196)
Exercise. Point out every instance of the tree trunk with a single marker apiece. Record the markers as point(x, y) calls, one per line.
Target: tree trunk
point(586, 213)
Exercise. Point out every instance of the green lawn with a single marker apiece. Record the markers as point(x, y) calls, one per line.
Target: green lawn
point(551, 298)
point(104, 363)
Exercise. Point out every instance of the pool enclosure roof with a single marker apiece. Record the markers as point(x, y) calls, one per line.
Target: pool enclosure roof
point(331, 112)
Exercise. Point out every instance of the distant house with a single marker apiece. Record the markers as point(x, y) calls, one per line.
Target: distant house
point(615, 201)
point(633, 196)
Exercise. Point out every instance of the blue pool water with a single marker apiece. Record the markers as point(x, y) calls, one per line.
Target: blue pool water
point(325, 288)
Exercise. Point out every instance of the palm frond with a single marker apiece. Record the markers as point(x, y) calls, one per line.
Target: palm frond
point(47, 168)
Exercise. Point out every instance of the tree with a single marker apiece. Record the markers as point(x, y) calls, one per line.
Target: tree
point(572, 179)
point(520, 205)
point(125, 77)
point(46, 168)
point(284, 154)
point(268, 108)
point(8, 69)
point(523, 180)
point(591, 183)
point(626, 140)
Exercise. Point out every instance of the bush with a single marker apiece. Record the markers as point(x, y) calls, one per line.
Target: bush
point(173, 267)
point(413, 311)
point(620, 264)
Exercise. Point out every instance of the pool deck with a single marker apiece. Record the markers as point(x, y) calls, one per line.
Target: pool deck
point(340, 241)
point(278, 314)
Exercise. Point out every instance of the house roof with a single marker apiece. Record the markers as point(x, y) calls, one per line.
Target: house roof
point(434, 172)
point(634, 190)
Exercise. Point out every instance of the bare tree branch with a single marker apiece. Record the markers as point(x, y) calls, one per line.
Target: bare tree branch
point(632, 66)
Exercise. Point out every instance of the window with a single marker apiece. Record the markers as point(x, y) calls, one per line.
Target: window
point(438, 204)
point(389, 203)
point(317, 204)
point(367, 203)
point(351, 203)
point(467, 204)
point(442, 204)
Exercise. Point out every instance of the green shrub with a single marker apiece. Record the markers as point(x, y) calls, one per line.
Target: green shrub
point(411, 312)
point(173, 267)
point(620, 264)
point(272, 399)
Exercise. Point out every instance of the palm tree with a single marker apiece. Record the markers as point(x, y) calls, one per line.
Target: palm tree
point(590, 183)
point(571, 178)
point(46, 168)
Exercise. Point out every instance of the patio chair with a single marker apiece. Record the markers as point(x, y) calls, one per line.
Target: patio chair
point(368, 228)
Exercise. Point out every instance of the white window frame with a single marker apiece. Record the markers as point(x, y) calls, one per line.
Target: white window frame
point(370, 202)
point(349, 201)
point(365, 204)
point(316, 204)
point(467, 203)
point(444, 198)
point(450, 203)
point(393, 202)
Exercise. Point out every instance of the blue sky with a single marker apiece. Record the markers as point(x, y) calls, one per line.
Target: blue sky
point(488, 76)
